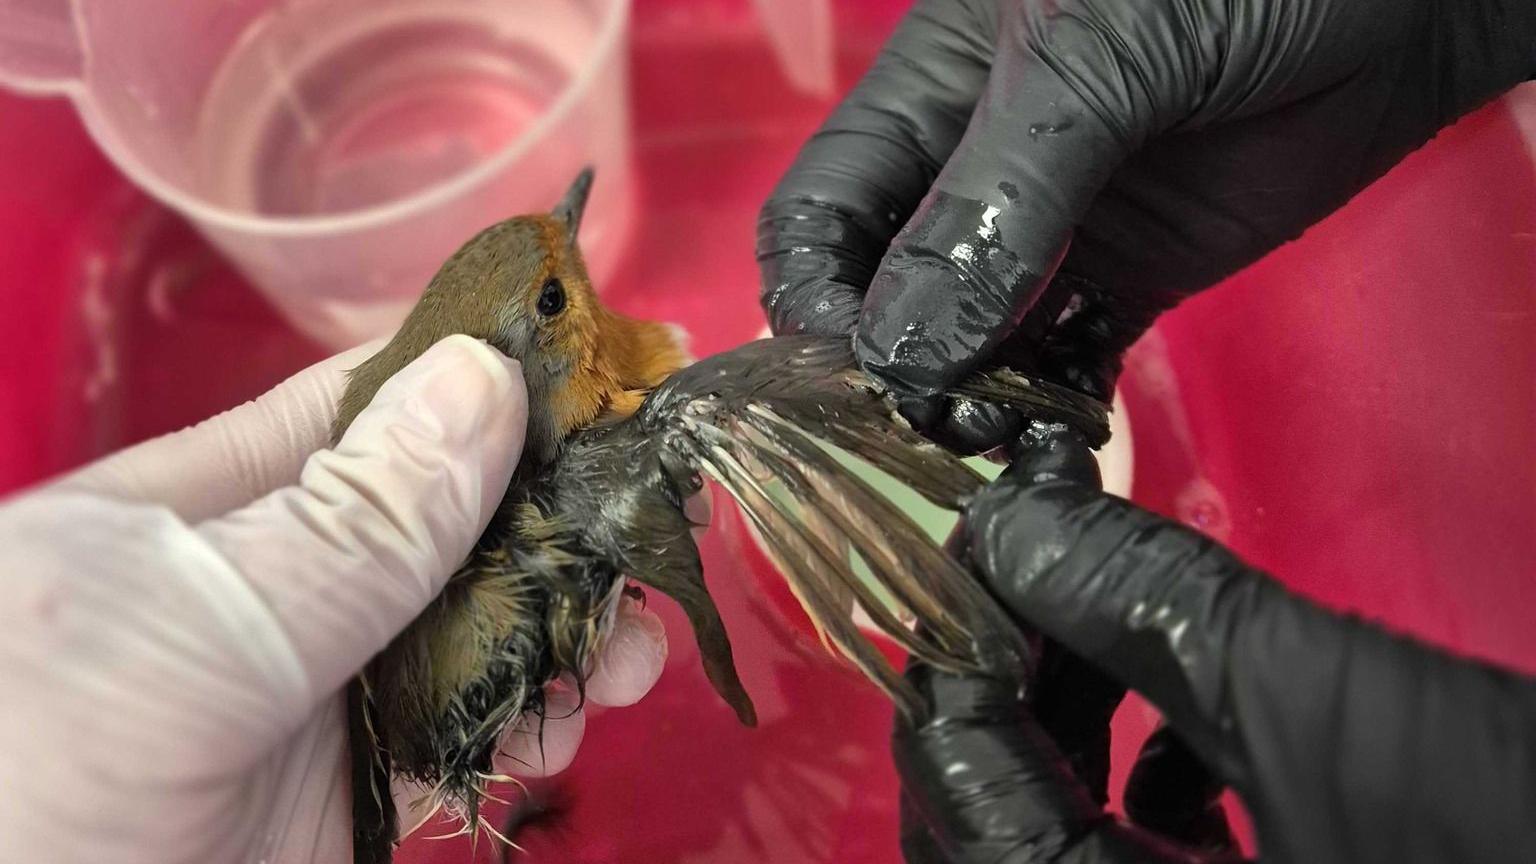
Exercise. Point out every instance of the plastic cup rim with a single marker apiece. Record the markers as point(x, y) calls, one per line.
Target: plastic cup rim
point(211, 215)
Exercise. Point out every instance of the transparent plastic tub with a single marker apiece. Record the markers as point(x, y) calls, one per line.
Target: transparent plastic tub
point(1355, 413)
point(337, 150)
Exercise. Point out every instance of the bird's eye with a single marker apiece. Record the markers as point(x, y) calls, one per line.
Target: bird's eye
point(551, 298)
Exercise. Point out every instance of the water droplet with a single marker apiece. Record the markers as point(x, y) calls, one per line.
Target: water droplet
point(1201, 507)
point(1038, 129)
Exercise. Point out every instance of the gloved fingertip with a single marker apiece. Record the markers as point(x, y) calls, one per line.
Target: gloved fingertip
point(699, 508)
point(923, 413)
point(814, 258)
point(455, 379)
point(904, 337)
point(1044, 452)
point(1021, 528)
point(1171, 792)
point(460, 403)
point(460, 352)
point(948, 292)
point(817, 307)
point(631, 659)
point(541, 745)
point(971, 428)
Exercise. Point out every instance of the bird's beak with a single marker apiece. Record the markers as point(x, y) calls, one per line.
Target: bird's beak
point(574, 202)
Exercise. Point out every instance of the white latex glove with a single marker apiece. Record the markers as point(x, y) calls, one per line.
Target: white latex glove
point(177, 621)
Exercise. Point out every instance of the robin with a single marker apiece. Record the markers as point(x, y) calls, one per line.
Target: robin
point(622, 430)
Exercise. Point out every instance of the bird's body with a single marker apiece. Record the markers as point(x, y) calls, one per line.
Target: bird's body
point(599, 497)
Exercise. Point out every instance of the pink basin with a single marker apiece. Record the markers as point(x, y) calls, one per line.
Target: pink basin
point(1356, 413)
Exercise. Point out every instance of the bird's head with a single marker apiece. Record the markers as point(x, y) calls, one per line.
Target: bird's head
point(522, 286)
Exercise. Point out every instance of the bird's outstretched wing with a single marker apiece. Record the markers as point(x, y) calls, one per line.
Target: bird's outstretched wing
point(758, 420)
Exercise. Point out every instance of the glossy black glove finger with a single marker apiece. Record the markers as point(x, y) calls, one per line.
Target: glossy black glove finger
point(1074, 703)
point(1073, 700)
point(983, 776)
point(828, 223)
point(823, 231)
point(992, 788)
point(965, 426)
point(1172, 794)
point(968, 265)
point(1345, 742)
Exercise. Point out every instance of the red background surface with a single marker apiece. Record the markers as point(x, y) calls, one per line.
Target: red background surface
point(1355, 413)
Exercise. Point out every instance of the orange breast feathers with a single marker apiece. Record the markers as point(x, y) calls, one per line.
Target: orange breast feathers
point(623, 361)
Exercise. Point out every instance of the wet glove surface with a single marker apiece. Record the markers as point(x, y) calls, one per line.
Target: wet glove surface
point(1167, 144)
point(984, 782)
point(1346, 743)
point(1019, 770)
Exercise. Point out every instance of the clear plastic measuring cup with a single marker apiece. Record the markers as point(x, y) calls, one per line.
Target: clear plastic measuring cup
point(338, 150)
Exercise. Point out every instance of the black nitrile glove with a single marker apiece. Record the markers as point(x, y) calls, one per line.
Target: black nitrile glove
point(1172, 142)
point(997, 766)
point(984, 782)
point(1346, 743)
